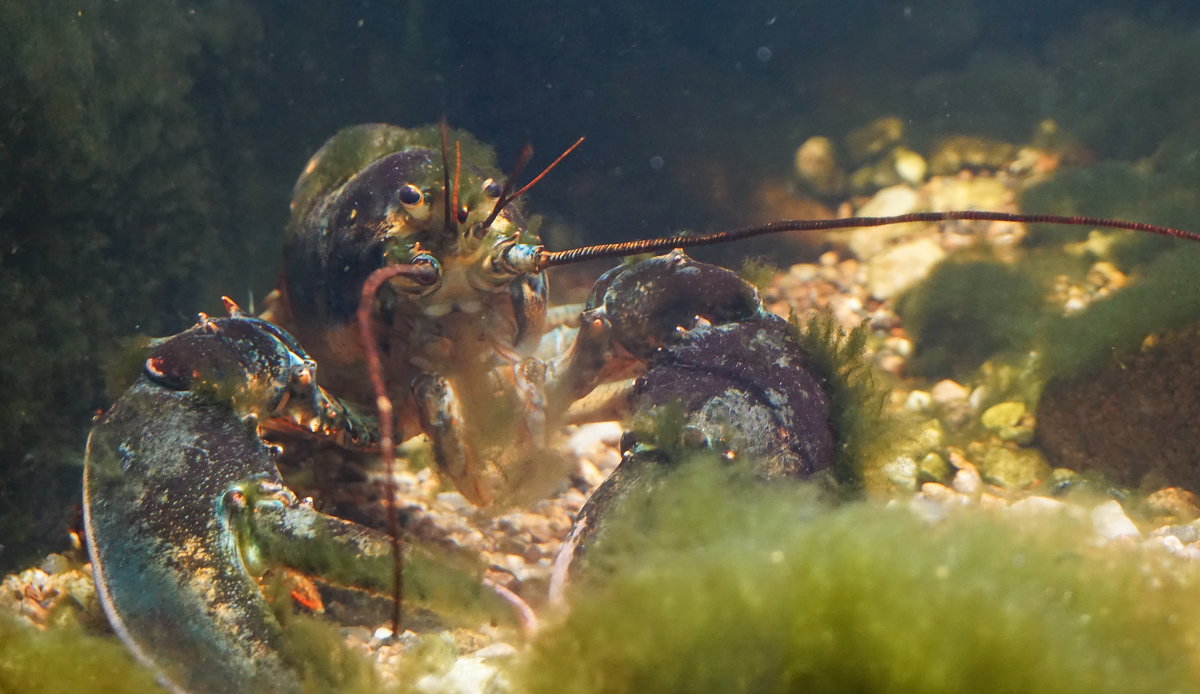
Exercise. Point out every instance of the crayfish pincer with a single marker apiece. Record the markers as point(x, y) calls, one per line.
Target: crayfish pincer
point(185, 509)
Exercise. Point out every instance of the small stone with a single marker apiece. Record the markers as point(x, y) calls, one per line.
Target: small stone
point(589, 438)
point(898, 268)
point(496, 650)
point(1036, 505)
point(891, 363)
point(937, 492)
point(902, 472)
point(1005, 414)
point(929, 436)
point(895, 200)
point(1187, 533)
point(454, 502)
point(978, 396)
point(918, 401)
point(948, 391)
point(1168, 542)
point(900, 345)
point(934, 468)
point(991, 502)
point(1177, 503)
point(1110, 522)
point(382, 634)
point(467, 675)
point(967, 480)
point(874, 138)
point(1014, 468)
point(909, 166)
point(817, 167)
point(1021, 434)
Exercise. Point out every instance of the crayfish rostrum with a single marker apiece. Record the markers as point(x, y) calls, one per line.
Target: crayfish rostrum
point(412, 276)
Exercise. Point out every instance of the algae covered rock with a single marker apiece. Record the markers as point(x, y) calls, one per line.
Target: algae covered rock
point(967, 311)
point(713, 585)
point(1132, 418)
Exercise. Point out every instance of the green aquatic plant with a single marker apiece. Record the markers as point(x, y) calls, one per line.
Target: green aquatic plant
point(1165, 297)
point(866, 436)
point(966, 311)
point(719, 584)
point(66, 658)
point(114, 190)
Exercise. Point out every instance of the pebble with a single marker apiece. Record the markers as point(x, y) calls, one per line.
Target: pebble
point(1110, 522)
point(918, 401)
point(967, 480)
point(1014, 468)
point(1036, 505)
point(895, 269)
point(948, 391)
point(468, 675)
point(1180, 504)
point(453, 501)
point(902, 472)
point(1005, 414)
point(894, 200)
point(588, 439)
point(935, 468)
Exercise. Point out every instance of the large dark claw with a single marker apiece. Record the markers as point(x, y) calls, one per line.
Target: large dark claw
point(742, 385)
point(184, 508)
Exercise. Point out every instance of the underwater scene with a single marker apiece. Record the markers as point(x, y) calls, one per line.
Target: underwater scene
point(654, 420)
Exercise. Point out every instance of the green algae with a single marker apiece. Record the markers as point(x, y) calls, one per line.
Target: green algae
point(115, 180)
point(723, 585)
point(866, 436)
point(66, 658)
point(1165, 297)
point(967, 311)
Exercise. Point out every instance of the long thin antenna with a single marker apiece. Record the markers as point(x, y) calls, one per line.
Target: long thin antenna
point(423, 274)
point(546, 259)
point(444, 127)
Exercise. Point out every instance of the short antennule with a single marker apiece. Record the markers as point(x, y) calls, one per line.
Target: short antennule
point(448, 224)
point(507, 196)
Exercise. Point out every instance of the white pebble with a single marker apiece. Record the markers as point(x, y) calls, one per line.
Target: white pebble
point(917, 401)
point(967, 480)
point(1037, 505)
point(1110, 522)
point(947, 391)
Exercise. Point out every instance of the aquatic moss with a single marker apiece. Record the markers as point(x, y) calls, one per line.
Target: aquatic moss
point(323, 661)
point(66, 658)
point(865, 435)
point(723, 586)
point(114, 184)
point(1165, 297)
point(965, 312)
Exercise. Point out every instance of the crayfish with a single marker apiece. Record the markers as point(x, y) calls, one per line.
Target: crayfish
point(418, 285)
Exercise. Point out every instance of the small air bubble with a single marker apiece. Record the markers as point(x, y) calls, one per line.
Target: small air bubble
point(656, 162)
point(763, 54)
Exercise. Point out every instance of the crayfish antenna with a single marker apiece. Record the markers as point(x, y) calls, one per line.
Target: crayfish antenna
point(444, 128)
point(545, 259)
point(421, 274)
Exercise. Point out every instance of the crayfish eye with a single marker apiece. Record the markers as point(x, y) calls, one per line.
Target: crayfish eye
point(410, 196)
point(462, 215)
point(492, 189)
